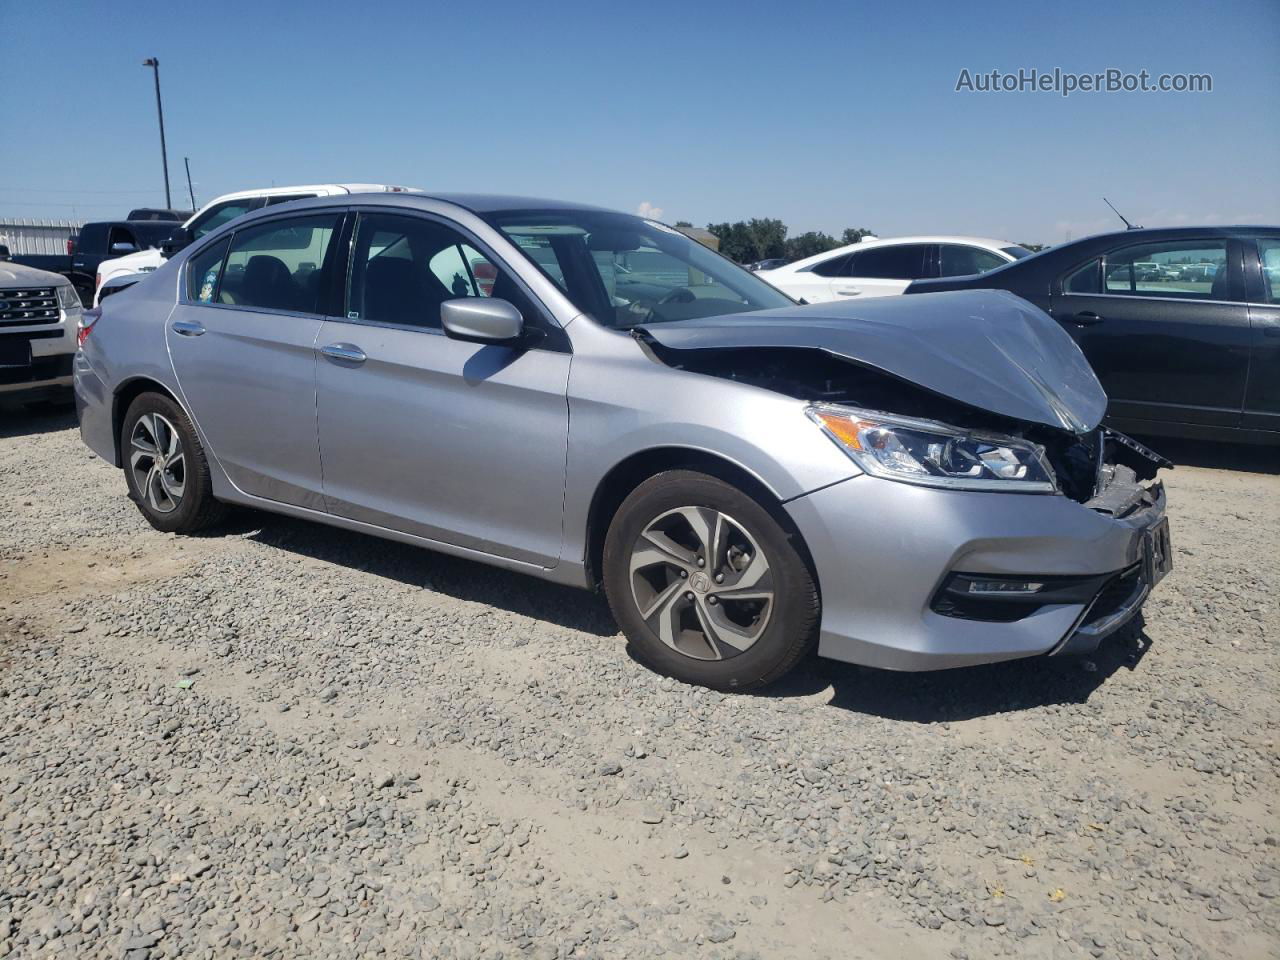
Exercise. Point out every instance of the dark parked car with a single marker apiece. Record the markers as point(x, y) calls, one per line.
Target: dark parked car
point(772, 264)
point(110, 238)
point(1181, 325)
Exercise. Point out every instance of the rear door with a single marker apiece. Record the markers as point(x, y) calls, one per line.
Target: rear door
point(1262, 275)
point(1165, 328)
point(882, 271)
point(242, 341)
point(456, 442)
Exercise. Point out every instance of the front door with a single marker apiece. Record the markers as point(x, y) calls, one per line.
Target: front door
point(456, 442)
point(242, 341)
point(1165, 329)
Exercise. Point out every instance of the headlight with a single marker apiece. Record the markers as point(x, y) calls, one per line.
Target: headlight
point(934, 454)
point(68, 299)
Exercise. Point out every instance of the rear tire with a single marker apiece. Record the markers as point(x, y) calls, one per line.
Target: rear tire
point(709, 585)
point(165, 467)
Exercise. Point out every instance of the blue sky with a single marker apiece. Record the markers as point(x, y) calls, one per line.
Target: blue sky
point(825, 115)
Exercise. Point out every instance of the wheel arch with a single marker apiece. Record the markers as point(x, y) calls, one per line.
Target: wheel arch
point(123, 398)
point(638, 467)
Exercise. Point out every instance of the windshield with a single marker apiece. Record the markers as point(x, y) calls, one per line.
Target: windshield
point(1017, 252)
point(624, 271)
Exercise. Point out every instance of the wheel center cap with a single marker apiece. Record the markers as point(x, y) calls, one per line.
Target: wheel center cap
point(700, 582)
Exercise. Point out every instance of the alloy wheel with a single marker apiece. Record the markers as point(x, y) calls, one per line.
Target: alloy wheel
point(701, 583)
point(158, 462)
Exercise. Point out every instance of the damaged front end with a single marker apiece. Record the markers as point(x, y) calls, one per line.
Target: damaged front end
point(1005, 404)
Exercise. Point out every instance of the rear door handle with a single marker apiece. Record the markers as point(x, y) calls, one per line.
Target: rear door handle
point(1086, 318)
point(347, 352)
point(187, 328)
point(849, 291)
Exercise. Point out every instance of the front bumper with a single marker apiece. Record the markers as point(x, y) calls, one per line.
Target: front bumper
point(883, 549)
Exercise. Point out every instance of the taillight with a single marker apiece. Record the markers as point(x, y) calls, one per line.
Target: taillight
point(71, 245)
point(87, 319)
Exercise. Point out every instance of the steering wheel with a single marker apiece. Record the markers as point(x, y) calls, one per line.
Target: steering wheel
point(679, 295)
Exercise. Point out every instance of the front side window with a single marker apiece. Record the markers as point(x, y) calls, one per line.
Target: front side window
point(624, 270)
point(404, 268)
point(958, 260)
point(904, 261)
point(1179, 269)
point(277, 265)
point(1269, 257)
point(203, 271)
point(215, 217)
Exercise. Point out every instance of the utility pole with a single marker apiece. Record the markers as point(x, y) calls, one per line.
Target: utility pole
point(154, 64)
point(187, 162)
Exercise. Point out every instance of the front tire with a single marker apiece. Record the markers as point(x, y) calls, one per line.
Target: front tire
point(165, 467)
point(708, 585)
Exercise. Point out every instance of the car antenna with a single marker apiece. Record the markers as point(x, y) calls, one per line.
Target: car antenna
point(1127, 224)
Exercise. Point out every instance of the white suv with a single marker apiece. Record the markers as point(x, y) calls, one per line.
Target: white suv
point(881, 268)
point(39, 317)
point(122, 272)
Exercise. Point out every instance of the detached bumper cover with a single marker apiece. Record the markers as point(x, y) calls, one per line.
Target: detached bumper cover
point(882, 550)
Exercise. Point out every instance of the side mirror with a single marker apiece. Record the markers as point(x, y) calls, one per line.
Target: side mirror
point(180, 238)
point(482, 320)
point(122, 247)
point(4, 252)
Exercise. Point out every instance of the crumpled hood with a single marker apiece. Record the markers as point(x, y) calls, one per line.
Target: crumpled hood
point(986, 348)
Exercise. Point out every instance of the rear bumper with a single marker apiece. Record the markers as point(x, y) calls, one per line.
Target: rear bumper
point(94, 411)
point(882, 550)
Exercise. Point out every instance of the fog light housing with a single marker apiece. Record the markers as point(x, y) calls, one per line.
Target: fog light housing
point(1003, 588)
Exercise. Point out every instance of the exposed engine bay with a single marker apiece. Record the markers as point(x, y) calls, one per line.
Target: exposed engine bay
point(1101, 468)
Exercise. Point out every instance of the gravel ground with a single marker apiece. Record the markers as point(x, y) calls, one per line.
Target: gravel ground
point(284, 740)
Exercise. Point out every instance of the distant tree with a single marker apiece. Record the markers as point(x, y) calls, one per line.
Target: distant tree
point(807, 244)
point(751, 240)
point(854, 234)
point(683, 223)
point(1033, 247)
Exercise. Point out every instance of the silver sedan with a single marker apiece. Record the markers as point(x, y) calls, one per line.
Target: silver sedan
point(596, 399)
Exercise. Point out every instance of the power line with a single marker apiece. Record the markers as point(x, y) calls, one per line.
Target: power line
point(68, 190)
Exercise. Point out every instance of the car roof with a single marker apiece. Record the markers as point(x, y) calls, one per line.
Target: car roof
point(1166, 233)
point(477, 203)
point(987, 242)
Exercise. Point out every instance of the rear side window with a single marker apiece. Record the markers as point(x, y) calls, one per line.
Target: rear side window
point(902, 262)
point(1086, 279)
point(962, 261)
point(203, 271)
point(831, 268)
point(277, 265)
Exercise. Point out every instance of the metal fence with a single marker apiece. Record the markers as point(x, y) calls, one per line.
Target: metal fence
point(38, 237)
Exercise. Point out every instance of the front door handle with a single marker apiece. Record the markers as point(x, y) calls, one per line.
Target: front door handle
point(849, 291)
point(1086, 318)
point(187, 328)
point(347, 352)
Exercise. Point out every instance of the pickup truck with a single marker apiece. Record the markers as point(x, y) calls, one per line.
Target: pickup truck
point(107, 239)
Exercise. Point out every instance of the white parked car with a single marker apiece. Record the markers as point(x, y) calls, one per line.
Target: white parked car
point(881, 268)
point(214, 214)
point(39, 318)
